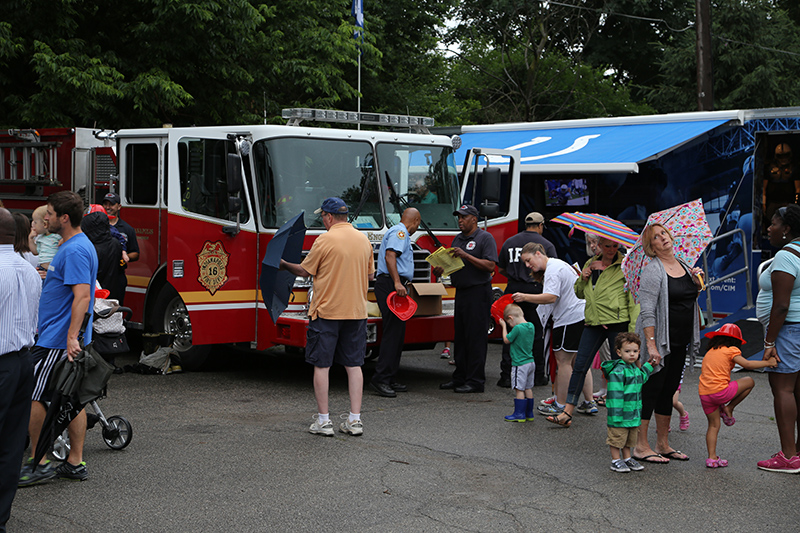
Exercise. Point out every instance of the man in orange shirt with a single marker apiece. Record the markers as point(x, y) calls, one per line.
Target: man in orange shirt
point(342, 264)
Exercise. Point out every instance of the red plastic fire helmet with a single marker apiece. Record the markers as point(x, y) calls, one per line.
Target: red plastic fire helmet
point(500, 305)
point(404, 307)
point(729, 330)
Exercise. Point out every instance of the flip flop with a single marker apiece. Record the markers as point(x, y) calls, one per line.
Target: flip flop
point(649, 459)
point(727, 420)
point(676, 454)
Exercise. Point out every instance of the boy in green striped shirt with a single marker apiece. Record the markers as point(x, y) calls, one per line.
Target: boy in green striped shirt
point(624, 400)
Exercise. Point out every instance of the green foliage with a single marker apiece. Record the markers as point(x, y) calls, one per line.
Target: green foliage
point(522, 62)
point(750, 67)
point(148, 62)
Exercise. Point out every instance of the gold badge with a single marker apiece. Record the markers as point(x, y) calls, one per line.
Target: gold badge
point(401, 234)
point(213, 263)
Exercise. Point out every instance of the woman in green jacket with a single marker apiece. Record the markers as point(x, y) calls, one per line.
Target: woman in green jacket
point(610, 310)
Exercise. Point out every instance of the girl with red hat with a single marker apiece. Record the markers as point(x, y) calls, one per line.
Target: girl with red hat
point(718, 394)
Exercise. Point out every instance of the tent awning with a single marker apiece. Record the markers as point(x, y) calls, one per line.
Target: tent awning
point(589, 148)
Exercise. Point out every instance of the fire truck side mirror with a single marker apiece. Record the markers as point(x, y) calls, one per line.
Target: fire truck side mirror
point(491, 184)
point(234, 205)
point(234, 174)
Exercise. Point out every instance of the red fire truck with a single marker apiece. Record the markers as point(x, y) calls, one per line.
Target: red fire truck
point(205, 201)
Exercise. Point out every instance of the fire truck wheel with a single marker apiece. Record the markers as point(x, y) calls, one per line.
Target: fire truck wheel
point(170, 316)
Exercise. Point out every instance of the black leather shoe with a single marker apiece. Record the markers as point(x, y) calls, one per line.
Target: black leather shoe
point(399, 387)
point(447, 386)
point(504, 382)
point(465, 389)
point(383, 389)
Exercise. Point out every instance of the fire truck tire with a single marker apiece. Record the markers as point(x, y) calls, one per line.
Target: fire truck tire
point(170, 316)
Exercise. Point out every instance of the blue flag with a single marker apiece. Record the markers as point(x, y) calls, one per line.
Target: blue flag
point(358, 13)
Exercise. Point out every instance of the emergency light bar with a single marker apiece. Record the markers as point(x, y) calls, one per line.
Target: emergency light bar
point(298, 114)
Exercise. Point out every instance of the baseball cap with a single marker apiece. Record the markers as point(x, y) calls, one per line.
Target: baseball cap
point(111, 197)
point(466, 210)
point(534, 218)
point(333, 205)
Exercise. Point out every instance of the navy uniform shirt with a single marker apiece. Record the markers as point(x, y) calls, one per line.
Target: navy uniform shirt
point(510, 260)
point(480, 244)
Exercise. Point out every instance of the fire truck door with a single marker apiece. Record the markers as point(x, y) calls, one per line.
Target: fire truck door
point(212, 241)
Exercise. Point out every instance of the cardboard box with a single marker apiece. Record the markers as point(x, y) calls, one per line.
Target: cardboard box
point(428, 297)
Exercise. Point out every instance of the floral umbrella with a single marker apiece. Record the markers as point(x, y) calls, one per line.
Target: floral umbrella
point(601, 225)
point(688, 225)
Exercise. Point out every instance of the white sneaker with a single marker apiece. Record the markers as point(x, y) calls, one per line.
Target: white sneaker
point(324, 428)
point(354, 428)
point(618, 465)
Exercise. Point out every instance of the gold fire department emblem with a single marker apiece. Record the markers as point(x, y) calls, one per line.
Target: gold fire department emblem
point(213, 263)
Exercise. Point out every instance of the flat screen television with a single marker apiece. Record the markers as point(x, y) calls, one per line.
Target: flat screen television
point(559, 192)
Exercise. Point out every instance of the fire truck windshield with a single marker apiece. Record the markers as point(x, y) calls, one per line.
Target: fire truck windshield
point(425, 176)
point(297, 174)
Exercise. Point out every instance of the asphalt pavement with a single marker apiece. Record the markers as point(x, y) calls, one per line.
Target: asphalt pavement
point(228, 449)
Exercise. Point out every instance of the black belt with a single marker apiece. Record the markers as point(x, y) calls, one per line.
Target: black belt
point(15, 352)
point(404, 280)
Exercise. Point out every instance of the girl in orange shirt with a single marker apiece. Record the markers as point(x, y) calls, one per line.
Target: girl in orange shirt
point(718, 394)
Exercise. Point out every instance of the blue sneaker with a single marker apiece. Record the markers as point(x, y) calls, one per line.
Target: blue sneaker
point(550, 410)
point(587, 408)
point(30, 475)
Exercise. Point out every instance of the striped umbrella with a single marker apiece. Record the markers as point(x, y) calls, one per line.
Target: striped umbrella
point(605, 227)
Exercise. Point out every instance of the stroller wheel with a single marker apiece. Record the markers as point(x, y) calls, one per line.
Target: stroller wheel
point(118, 433)
point(61, 447)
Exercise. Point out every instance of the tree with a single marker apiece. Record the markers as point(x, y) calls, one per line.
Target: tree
point(523, 61)
point(184, 62)
point(756, 54)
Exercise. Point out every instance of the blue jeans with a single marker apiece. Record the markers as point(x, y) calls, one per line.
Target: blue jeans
point(591, 340)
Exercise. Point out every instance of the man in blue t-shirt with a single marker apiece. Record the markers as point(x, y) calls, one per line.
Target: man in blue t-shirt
point(66, 298)
point(395, 269)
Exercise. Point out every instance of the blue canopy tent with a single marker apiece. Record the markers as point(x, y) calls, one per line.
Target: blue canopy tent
point(594, 145)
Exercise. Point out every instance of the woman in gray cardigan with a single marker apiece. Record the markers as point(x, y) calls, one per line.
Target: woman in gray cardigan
point(669, 327)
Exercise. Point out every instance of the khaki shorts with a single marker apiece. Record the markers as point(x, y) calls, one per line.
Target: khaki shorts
point(622, 437)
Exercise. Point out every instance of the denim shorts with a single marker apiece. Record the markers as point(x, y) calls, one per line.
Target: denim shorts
point(340, 341)
point(788, 346)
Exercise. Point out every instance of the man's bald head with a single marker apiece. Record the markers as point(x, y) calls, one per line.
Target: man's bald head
point(411, 219)
point(8, 227)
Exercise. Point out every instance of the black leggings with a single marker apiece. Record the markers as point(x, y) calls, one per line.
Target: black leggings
point(659, 389)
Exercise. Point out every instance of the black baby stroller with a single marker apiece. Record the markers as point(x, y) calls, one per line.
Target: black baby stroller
point(108, 339)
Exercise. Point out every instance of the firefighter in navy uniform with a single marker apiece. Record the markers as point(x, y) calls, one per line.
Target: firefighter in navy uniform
point(473, 284)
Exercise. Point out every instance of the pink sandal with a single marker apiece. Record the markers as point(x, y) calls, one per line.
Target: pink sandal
point(716, 463)
point(684, 420)
point(727, 420)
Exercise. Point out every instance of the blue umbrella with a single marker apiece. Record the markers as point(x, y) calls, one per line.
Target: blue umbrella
point(276, 285)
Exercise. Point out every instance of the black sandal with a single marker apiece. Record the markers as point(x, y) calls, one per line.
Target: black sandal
point(555, 420)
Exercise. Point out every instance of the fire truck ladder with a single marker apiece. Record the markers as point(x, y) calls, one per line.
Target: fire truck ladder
point(30, 162)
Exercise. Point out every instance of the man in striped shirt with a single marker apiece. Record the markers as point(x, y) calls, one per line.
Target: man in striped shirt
point(20, 287)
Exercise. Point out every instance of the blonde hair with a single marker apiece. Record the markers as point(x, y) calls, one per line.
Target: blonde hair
point(40, 212)
point(647, 239)
point(532, 248)
point(512, 310)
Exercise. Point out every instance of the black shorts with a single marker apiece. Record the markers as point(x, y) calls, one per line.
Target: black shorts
point(340, 341)
point(567, 338)
point(44, 359)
